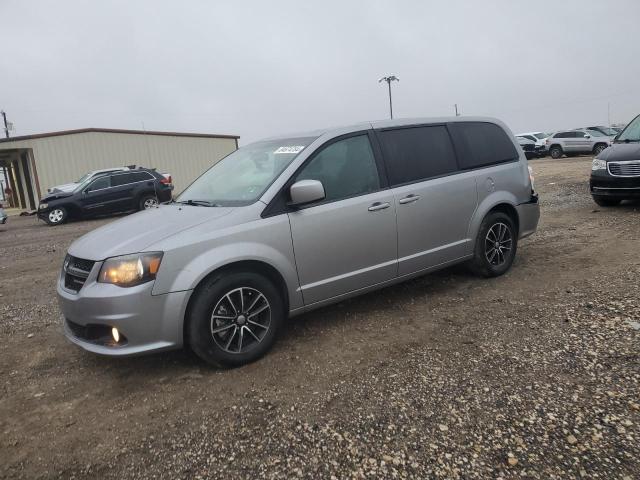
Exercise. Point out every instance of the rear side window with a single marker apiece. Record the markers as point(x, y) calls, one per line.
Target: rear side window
point(140, 176)
point(121, 179)
point(417, 153)
point(483, 144)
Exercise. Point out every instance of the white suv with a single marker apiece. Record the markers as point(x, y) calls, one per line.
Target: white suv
point(576, 142)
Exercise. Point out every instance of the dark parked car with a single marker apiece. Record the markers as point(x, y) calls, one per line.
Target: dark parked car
point(528, 147)
point(113, 192)
point(615, 173)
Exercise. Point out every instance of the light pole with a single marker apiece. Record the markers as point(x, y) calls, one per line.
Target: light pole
point(389, 79)
point(6, 125)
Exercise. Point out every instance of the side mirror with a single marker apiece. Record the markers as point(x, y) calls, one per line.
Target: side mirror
point(586, 135)
point(306, 191)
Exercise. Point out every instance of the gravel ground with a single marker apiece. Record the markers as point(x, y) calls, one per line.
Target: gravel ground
point(532, 375)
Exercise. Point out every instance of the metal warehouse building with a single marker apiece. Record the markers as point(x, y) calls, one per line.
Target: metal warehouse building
point(34, 163)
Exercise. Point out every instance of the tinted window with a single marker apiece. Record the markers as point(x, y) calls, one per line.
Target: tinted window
point(564, 135)
point(99, 183)
point(346, 168)
point(121, 179)
point(140, 176)
point(579, 134)
point(417, 153)
point(483, 144)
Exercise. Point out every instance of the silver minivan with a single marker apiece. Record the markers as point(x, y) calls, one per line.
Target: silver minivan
point(289, 224)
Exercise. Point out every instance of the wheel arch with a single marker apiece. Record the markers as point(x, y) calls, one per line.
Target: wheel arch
point(509, 210)
point(253, 266)
point(497, 202)
point(604, 144)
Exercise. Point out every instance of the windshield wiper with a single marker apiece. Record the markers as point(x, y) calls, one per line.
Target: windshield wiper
point(199, 203)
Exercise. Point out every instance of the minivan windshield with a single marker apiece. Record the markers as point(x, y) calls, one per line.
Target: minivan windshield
point(631, 132)
point(242, 177)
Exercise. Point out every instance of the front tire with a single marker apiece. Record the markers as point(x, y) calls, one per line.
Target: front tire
point(597, 150)
point(607, 202)
point(57, 216)
point(555, 152)
point(235, 318)
point(496, 245)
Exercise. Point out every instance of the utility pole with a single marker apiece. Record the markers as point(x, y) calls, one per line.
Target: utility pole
point(455, 106)
point(389, 79)
point(6, 127)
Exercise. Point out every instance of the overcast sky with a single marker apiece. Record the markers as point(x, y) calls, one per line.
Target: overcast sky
point(261, 68)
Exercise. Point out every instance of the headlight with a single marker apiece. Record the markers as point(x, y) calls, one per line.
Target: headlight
point(43, 206)
point(598, 164)
point(130, 270)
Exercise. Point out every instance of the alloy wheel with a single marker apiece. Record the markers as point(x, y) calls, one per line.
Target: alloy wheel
point(150, 203)
point(240, 320)
point(498, 244)
point(56, 216)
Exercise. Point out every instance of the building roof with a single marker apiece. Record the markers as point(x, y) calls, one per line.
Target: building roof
point(114, 130)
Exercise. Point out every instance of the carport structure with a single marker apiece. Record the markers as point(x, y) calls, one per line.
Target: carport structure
point(19, 172)
point(34, 163)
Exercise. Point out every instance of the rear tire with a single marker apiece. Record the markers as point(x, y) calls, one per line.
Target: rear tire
point(607, 202)
point(496, 245)
point(56, 216)
point(555, 151)
point(235, 318)
point(147, 202)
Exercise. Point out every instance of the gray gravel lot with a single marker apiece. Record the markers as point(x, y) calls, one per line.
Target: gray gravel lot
point(532, 375)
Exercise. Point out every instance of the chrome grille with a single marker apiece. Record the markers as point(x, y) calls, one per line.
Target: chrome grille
point(629, 168)
point(76, 271)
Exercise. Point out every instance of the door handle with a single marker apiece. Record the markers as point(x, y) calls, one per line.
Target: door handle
point(379, 206)
point(409, 199)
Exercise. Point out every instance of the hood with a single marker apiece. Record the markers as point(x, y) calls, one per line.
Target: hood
point(67, 187)
point(55, 195)
point(134, 233)
point(620, 152)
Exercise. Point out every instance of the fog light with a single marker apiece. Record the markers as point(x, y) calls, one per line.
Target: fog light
point(116, 334)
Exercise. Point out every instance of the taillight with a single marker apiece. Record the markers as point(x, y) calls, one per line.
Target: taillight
point(166, 180)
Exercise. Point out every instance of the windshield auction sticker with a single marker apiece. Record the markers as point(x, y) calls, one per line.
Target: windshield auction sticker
point(290, 149)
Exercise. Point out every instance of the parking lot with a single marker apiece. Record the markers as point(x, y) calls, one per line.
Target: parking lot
point(533, 374)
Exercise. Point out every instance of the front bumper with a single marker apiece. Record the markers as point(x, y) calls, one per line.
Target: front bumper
point(146, 322)
point(603, 184)
point(528, 216)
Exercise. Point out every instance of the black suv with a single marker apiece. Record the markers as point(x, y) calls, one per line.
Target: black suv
point(615, 172)
point(112, 192)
